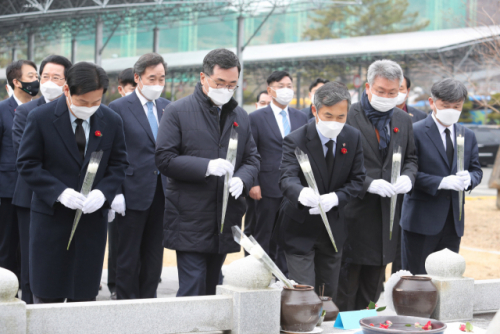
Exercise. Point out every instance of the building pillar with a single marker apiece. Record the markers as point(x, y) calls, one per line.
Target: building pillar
point(298, 105)
point(156, 40)
point(74, 46)
point(239, 53)
point(31, 46)
point(98, 41)
point(14, 54)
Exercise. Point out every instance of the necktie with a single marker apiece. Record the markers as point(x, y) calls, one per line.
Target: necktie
point(330, 159)
point(449, 147)
point(152, 119)
point(286, 125)
point(81, 141)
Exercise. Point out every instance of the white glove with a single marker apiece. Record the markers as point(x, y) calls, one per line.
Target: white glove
point(111, 215)
point(452, 182)
point(382, 187)
point(328, 201)
point(94, 201)
point(71, 199)
point(235, 187)
point(403, 184)
point(219, 167)
point(118, 204)
point(465, 176)
point(308, 197)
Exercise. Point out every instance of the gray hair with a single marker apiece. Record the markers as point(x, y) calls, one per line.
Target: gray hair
point(449, 90)
point(386, 69)
point(331, 93)
point(223, 57)
point(147, 60)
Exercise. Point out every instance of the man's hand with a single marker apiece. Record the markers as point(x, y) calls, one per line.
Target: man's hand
point(235, 187)
point(382, 188)
point(452, 182)
point(465, 176)
point(94, 201)
point(308, 197)
point(403, 184)
point(255, 193)
point(219, 167)
point(71, 199)
point(118, 204)
point(328, 201)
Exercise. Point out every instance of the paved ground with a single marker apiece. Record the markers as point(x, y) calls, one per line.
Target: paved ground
point(482, 189)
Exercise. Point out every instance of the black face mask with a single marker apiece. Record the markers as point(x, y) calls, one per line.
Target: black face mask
point(31, 88)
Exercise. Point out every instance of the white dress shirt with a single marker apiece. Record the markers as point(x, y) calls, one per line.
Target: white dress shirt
point(17, 101)
point(279, 117)
point(441, 129)
point(144, 102)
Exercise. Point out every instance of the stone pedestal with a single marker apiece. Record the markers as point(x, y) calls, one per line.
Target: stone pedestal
point(494, 327)
point(12, 310)
point(254, 311)
point(455, 292)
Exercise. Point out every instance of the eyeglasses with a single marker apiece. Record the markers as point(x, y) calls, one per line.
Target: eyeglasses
point(54, 78)
point(230, 88)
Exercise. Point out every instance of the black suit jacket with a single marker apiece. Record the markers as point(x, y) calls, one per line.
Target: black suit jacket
point(22, 193)
point(297, 230)
point(267, 137)
point(415, 114)
point(8, 171)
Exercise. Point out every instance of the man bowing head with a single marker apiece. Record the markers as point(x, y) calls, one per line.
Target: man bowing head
point(335, 152)
point(54, 155)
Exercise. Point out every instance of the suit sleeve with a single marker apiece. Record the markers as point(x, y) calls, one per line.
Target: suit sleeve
point(248, 171)
point(475, 171)
point(255, 135)
point(357, 175)
point(410, 164)
point(424, 182)
point(290, 170)
point(117, 164)
point(113, 106)
point(18, 126)
point(30, 164)
point(168, 156)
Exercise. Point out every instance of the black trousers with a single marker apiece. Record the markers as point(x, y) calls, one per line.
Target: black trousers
point(417, 247)
point(266, 213)
point(23, 219)
point(358, 285)
point(9, 237)
point(112, 254)
point(140, 250)
point(396, 264)
point(199, 273)
point(250, 216)
point(38, 300)
point(320, 266)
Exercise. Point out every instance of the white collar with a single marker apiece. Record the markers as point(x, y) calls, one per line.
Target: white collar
point(440, 126)
point(142, 98)
point(17, 101)
point(277, 109)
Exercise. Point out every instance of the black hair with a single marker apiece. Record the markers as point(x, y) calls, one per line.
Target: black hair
point(56, 59)
point(263, 92)
point(86, 77)
point(317, 82)
point(223, 57)
point(14, 70)
point(147, 60)
point(408, 82)
point(126, 77)
point(276, 76)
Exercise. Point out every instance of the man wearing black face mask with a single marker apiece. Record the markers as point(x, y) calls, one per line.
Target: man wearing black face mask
point(22, 77)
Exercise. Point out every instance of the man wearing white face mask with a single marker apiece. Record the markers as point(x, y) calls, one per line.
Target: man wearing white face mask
point(404, 91)
point(336, 156)
point(53, 71)
point(53, 159)
point(269, 126)
point(191, 151)
point(140, 202)
point(431, 213)
point(384, 127)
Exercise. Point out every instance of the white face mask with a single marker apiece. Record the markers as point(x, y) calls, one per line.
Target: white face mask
point(9, 90)
point(82, 112)
point(219, 96)
point(283, 95)
point(400, 99)
point(383, 104)
point(260, 106)
point(448, 116)
point(312, 98)
point(151, 92)
point(329, 129)
point(51, 90)
point(128, 93)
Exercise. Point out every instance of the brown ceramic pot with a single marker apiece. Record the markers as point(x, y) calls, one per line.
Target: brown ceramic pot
point(331, 309)
point(300, 308)
point(415, 296)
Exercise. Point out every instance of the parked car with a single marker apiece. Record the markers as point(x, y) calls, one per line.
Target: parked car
point(488, 141)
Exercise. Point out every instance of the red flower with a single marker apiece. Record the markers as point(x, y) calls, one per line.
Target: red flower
point(98, 133)
point(343, 150)
point(383, 326)
point(372, 325)
point(235, 124)
point(462, 327)
point(396, 130)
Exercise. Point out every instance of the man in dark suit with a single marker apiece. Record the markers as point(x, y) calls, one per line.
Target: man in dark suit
point(269, 126)
point(430, 218)
point(315, 85)
point(384, 127)
point(141, 202)
point(54, 156)
point(22, 77)
point(191, 148)
point(53, 71)
point(404, 91)
point(336, 155)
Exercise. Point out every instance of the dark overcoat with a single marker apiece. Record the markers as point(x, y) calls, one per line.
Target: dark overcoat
point(8, 171)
